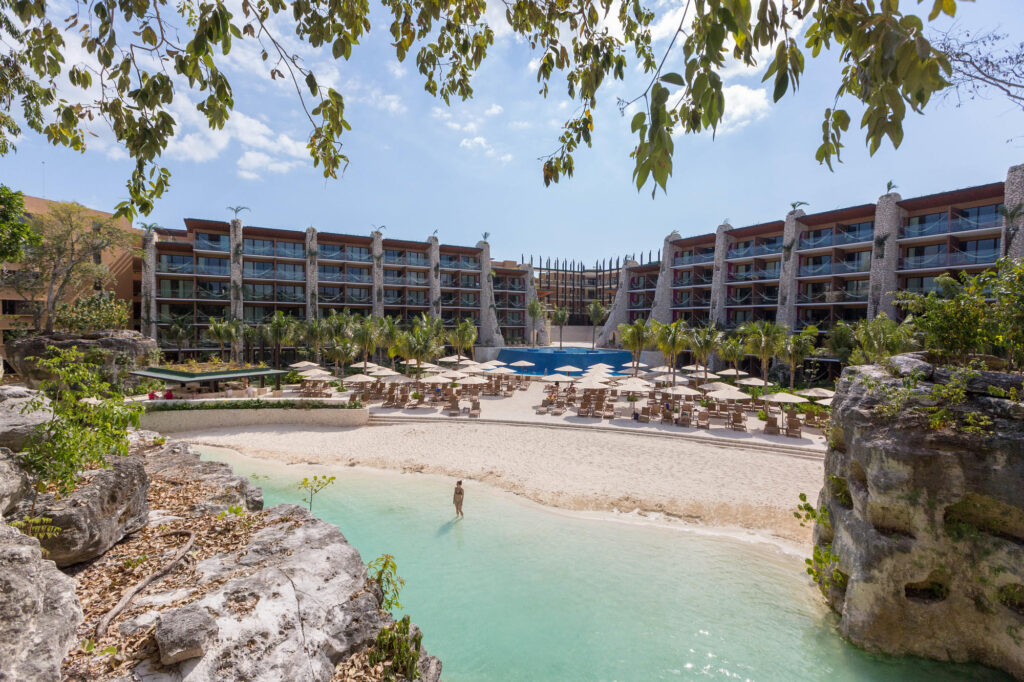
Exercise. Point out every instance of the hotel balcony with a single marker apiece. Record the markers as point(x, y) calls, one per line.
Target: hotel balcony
point(459, 264)
point(323, 297)
point(944, 225)
point(701, 281)
point(394, 280)
point(339, 253)
point(222, 245)
point(186, 268)
point(953, 258)
point(693, 259)
point(330, 276)
point(254, 250)
point(838, 238)
point(836, 268)
point(205, 294)
point(288, 250)
point(213, 270)
point(258, 273)
point(286, 297)
point(289, 276)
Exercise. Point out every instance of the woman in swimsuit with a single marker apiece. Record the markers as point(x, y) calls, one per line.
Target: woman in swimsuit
point(457, 499)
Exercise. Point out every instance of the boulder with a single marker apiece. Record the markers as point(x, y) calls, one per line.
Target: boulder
point(178, 461)
point(184, 633)
point(925, 525)
point(14, 484)
point(117, 350)
point(15, 426)
point(107, 505)
point(38, 609)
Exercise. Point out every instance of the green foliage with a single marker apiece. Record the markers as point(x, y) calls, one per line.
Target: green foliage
point(763, 339)
point(762, 415)
point(823, 567)
point(840, 342)
point(876, 340)
point(840, 490)
point(159, 440)
point(797, 347)
point(88, 421)
point(15, 233)
point(292, 377)
point(956, 321)
point(944, 402)
point(384, 572)
point(560, 316)
point(461, 337)
point(38, 527)
point(233, 510)
point(250, 404)
point(89, 646)
point(536, 311)
point(808, 513)
point(398, 650)
point(596, 313)
point(636, 337)
point(311, 486)
point(134, 562)
point(101, 310)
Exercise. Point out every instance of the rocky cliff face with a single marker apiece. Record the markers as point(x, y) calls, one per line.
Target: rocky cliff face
point(922, 548)
point(117, 351)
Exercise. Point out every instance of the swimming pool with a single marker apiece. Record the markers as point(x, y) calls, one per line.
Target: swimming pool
point(545, 360)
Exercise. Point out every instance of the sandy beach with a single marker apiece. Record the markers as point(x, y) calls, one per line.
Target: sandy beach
point(724, 486)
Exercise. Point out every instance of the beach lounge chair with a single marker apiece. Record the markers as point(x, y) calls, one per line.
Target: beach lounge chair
point(559, 408)
point(543, 409)
point(453, 408)
point(703, 420)
point(771, 427)
point(474, 410)
point(645, 415)
point(793, 427)
point(683, 419)
point(738, 421)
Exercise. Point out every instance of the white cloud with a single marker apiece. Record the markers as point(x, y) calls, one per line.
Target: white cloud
point(396, 68)
point(480, 143)
point(519, 125)
point(505, 158)
point(534, 65)
point(441, 113)
point(743, 106)
point(252, 163)
point(493, 110)
point(668, 24)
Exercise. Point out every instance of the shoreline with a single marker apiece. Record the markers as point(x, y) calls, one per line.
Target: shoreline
point(636, 517)
point(693, 487)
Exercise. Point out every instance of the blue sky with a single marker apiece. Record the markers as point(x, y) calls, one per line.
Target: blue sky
point(417, 166)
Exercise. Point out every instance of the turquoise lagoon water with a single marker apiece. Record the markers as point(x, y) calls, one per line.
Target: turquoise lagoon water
point(519, 592)
point(545, 360)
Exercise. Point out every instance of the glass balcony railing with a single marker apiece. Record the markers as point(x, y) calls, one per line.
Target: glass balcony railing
point(738, 300)
point(330, 252)
point(418, 260)
point(815, 297)
point(212, 294)
point(814, 270)
point(767, 273)
point(206, 244)
point(853, 236)
point(349, 298)
point(816, 242)
point(765, 299)
point(469, 302)
point(743, 252)
point(213, 270)
point(416, 301)
point(417, 281)
point(393, 280)
point(973, 257)
point(289, 297)
point(694, 258)
point(358, 279)
point(639, 305)
point(768, 249)
point(469, 284)
point(175, 268)
point(448, 300)
point(358, 256)
point(394, 260)
point(690, 303)
point(250, 295)
point(966, 224)
point(932, 260)
point(290, 275)
point(741, 276)
point(844, 296)
point(392, 300)
point(848, 266)
point(257, 317)
point(176, 292)
point(960, 258)
point(330, 276)
point(258, 273)
point(285, 250)
point(258, 249)
point(330, 298)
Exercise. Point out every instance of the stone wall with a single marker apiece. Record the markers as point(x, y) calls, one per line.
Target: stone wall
point(1013, 197)
point(926, 525)
point(786, 314)
point(121, 349)
point(719, 275)
point(434, 277)
point(377, 249)
point(661, 308)
point(619, 312)
point(174, 421)
point(885, 256)
point(147, 323)
point(490, 335)
point(312, 275)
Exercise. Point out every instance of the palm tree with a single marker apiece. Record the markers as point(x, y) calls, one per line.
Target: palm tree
point(763, 339)
point(535, 311)
point(704, 342)
point(596, 312)
point(180, 331)
point(236, 336)
point(732, 351)
point(364, 335)
point(879, 339)
point(560, 316)
point(280, 331)
point(388, 331)
point(1011, 216)
point(461, 337)
point(315, 332)
point(238, 209)
point(341, 352)
point(636, 338)
point(796, 348)
point(840, 342)
point(219, 332)
point(421, 344)
point(252, 335)
point(671, 339)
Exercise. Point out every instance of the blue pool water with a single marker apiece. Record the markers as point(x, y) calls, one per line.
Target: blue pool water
point(516, 591)
point(545, 360)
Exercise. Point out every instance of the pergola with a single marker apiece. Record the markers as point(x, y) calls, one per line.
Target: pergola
point(179, 377)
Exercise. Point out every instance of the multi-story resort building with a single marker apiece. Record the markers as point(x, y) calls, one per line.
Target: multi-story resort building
point(571, 285)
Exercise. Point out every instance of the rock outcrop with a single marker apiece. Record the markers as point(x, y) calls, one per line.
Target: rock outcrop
point(117, 350)
point(16, 426)
point(14, 484)
point(38, 611)
point(923, 544)
point(107, 505)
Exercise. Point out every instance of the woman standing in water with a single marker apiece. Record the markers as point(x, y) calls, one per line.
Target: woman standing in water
point(457, 499)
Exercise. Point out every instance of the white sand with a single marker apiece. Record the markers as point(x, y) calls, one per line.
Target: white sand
point(715, 483)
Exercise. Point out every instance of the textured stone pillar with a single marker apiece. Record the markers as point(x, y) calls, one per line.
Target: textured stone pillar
point(540, 327)
point(378, 273)
point(434, 276)
point(718, 288)
point(785, 313)
point(147, 325)
point(661, 308)
point(1013, 196)
point(312, 275)
point(885, 256)
point(490, 335)
point(236, 269)
point(620, 306)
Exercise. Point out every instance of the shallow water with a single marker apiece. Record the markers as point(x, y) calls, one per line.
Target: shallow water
point(518, 592)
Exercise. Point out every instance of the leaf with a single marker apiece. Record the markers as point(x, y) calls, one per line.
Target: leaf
point(638, 121)
point(674, 79)
point(311, 82)
point(781, 85)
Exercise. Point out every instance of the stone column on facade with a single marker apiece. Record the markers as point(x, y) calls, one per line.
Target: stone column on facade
point(1013, 198)
point(719, 274)
point(620, 305)
point(661, 308)
point(490, 335)
point(235, 239)
point(785, 312)
point(377, 249)
point(540, 327)
point(434, 276)
point(147, 325)
point(312, 275)
point(885, 253)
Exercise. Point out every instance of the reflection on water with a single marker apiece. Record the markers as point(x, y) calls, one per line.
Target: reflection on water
point(517, 592)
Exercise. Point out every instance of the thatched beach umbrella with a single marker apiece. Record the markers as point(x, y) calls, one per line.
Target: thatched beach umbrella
point(732, 373)
point(753, 381)
point(568, 368)
point(682, 390)
point(522, 363)
point(554, 378)
point(783, 398)
point(303, 364)
point(816, 393)
point(728, 393)
point(360, 379)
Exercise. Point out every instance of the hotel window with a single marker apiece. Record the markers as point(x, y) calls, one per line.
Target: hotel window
point(470, 282)
point(256, 270)
point(978, 217)
point(977, 251)
point(920, 285)
point(258, 247)
point(392, 276)
point(258, 292)
point(856, 288)
point(924, 225)
point(359, 275)
point(174, 288)
point(291, 294)
point(290, 271)
point(415, 258)
point(392, 256)
point(329, 294)
point(256, 314)
point(205, 313)
point(174, 263)
point(331, 251)
point(212, 266)
point(212, 242)
point(358, 253)
point(329, 273)
point(212, 290)
point(291, 250)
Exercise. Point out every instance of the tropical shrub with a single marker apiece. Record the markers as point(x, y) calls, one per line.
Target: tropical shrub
point(93, 313)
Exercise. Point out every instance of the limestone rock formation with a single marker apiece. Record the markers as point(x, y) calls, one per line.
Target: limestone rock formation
point(923, 544)
point(184, 633)
point(107, 505)
point(15, 426)
point(178, 461)
point(38, 611)
point(117, 350)
point(14, 484)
